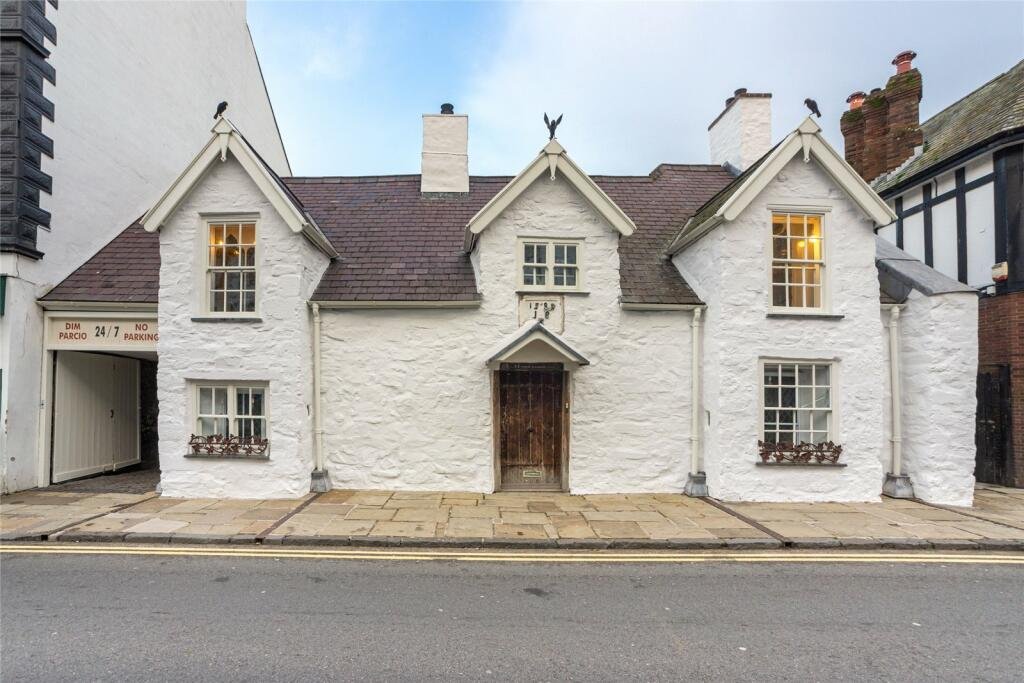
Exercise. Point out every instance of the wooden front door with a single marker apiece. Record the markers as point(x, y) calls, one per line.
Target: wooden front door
point(531, 412)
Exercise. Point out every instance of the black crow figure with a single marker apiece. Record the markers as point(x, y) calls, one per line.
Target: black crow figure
point(813, 106)
point(221, 108)
point(552, 125)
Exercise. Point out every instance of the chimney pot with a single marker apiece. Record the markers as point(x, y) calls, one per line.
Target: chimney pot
point(447, 108)
point(729, 100)
point(903, 61)
point(739, 91)
point(855, 100)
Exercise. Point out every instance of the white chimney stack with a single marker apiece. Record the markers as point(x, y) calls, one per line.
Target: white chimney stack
point(742, 133)
point(445, 166)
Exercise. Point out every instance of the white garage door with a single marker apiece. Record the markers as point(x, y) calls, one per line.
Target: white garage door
point(95, 414)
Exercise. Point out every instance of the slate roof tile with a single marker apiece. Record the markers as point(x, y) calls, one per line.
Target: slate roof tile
point(397, 245)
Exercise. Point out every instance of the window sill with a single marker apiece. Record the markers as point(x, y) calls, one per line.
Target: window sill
point(812, 316)
point(552, 292)
point(214, 456)
point(800, 464)
point(227, 319)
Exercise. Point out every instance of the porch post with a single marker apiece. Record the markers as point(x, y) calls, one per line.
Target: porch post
point(696, 480)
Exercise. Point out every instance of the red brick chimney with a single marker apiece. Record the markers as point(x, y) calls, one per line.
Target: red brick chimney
point(882, 129)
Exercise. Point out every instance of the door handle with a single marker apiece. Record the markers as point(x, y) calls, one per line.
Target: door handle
point(111, 414)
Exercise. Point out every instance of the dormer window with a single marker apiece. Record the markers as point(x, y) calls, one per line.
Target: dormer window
point(231, 267)
point(798, 261)
point(549, 264)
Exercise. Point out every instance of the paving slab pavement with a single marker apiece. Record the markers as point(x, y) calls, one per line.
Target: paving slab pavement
point(515, 519)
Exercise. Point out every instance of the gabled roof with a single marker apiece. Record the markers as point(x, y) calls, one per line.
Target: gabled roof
point(899, 272)
point(397, 245)
point(554, 160)
point(226, 138)
point(535, 330)
point(993, 111)
point(807, 140)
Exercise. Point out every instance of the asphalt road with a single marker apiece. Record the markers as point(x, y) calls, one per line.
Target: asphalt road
point(132, 618)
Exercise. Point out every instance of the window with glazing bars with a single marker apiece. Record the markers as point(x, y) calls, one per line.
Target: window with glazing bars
point(231, 268)
point(797, 260)
point(231, 410)
point(553, 265)
point(797, 402)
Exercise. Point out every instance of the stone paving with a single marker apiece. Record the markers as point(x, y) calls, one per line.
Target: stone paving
point(515, 519)
point(515, 516)
point(41, 513)
point(890, 521)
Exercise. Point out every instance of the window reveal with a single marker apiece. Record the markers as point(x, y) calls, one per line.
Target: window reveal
point(553, 265)
point(231, 411)
point(797, 402)
point(231, 268)
point(797, 260)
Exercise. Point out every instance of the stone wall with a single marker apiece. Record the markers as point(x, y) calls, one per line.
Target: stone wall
point(739, 333)
point(407, 395)
point(274, 349)
point(939, 360)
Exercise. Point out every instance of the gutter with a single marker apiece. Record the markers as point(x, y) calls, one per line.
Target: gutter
point(474, 303)
point(696, 480)
point(320, 481)
point(897, 484)
point(96, 306)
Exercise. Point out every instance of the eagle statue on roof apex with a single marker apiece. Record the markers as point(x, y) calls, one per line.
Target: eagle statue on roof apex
point(552, 125)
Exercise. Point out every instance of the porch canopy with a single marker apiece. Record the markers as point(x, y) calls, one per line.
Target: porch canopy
point(535, 343)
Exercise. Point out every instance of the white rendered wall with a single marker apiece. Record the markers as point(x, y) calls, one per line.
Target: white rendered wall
point(276, 350)
point(137, 86)
point(981, 239)
point(743, 134)
point(939, 346)
point(739, 333)
point(407, 397)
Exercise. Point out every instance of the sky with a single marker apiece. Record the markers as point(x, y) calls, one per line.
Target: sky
point(638, 83)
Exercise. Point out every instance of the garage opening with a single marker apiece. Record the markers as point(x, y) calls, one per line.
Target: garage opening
point(104, 419)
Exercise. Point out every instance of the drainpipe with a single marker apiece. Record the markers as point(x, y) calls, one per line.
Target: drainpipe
point(320, 482)
point(696, 480)
point(897, 484)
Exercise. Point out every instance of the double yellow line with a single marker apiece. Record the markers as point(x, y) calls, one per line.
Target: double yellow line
point(553, 556)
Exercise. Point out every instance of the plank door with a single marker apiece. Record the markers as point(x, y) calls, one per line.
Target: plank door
point(531, 426)
point(95, 414)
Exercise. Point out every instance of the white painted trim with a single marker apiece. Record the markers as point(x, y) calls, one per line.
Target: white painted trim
point(805, 140)
point(342, 305)
point(226, 138)
point(660, 307)
point(193, 403)
point(826, 274)
point(835, 369)
point(549, 264)
point(553, 159)
point(107, 307)
point(202, 271)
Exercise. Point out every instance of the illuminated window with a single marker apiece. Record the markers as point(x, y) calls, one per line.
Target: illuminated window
point(231, 410)
point(797, 402)
point(550, 265)
point(797, 260)
point(231, 268)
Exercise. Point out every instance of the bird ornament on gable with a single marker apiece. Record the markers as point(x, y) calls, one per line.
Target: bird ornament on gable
point(552, 125)
point(221, 108)
point(813, 106)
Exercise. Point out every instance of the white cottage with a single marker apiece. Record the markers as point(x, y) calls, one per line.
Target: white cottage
point(733, 329)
